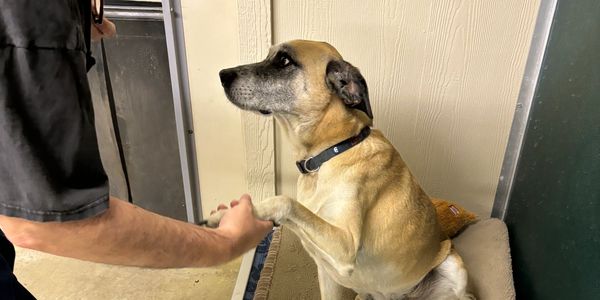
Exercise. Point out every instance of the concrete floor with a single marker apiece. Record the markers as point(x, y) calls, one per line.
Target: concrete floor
point(52, 277)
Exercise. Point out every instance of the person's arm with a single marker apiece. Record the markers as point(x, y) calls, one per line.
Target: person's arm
point(129, 235)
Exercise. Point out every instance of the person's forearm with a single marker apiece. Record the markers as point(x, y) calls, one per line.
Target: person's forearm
point(125, 235)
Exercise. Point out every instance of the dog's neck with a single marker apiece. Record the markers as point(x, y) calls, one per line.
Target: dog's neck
point(314, 132)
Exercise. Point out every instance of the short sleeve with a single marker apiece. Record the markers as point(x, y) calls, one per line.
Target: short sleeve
point(50, 167)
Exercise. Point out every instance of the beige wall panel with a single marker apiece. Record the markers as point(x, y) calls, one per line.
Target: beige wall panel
point(444, 78)
point(212, 43)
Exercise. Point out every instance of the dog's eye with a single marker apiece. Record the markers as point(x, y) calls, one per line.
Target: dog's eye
point(284, 60)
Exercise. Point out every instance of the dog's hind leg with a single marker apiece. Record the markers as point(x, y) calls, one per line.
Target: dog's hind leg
point(448, 281)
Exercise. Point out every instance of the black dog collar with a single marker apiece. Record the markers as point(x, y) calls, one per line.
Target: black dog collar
point(313, 163)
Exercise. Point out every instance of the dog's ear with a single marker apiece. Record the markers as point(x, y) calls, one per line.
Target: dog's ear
point(346, 81)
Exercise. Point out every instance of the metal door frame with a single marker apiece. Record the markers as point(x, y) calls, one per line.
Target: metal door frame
point(170, 14)
point(183, 110)
point(533, 67)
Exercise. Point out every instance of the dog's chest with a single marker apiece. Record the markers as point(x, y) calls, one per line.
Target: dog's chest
point(324, 196)
point(307, 188)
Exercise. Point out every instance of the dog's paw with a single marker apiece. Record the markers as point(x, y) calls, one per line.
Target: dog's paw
point(276, 209)
point(213, 220)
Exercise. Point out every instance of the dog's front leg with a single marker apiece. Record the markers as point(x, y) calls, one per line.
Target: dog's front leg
point(332, 290)
point(271, 209)
point(338, 245)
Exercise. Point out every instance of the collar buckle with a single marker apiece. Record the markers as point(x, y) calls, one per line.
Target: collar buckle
point(305, 165)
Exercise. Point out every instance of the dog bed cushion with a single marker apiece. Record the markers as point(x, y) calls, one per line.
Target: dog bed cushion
point(289, 273)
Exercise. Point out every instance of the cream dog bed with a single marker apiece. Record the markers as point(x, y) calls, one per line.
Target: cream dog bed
point(289, 273)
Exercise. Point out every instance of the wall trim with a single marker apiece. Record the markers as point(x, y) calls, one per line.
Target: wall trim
point(533, 67)
point(254, 23)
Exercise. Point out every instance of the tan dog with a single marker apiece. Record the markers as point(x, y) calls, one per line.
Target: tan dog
point(361, 216)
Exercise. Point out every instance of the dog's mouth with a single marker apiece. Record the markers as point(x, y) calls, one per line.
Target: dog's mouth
point(262, 112)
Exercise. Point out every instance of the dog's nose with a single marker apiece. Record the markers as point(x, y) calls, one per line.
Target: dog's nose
point(227, 77)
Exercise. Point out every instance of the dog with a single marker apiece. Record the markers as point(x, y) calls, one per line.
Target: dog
point(360, 214)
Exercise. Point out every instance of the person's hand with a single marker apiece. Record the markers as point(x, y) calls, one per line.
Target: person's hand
point(239, 225)
point(105, 30)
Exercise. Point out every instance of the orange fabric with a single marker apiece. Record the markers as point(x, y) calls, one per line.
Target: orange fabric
point(452, 217)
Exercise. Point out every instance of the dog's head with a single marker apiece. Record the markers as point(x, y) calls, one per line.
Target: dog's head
point(297, 77)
